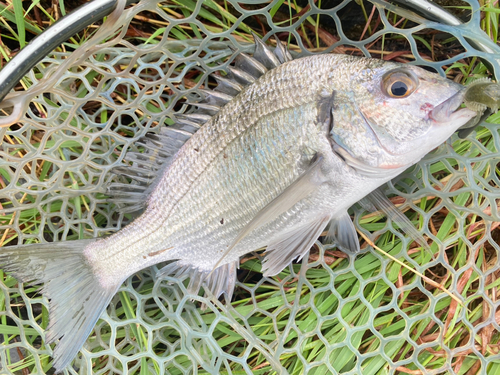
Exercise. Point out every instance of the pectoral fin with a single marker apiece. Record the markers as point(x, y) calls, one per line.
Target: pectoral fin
point(307, 183)
point(292, 245)
point(343, 231)
point(379, 200)
point(367, 205)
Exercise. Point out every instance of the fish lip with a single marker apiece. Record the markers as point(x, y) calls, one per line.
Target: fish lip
point(443, 111)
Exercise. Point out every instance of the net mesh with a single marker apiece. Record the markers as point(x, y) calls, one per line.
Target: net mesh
point(332, 313)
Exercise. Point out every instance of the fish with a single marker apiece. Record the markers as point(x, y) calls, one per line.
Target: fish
point(271, 158)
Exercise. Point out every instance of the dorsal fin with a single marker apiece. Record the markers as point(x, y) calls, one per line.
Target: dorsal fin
point(227, 86)
point(239, 76)
point(205, 108)
point(264, 55)
point(216, 97)
point(282, 53)
point(197, 118)
point(250, 65)
point(146, 168)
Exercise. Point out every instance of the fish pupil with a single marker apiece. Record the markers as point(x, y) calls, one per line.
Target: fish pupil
point(399, 88)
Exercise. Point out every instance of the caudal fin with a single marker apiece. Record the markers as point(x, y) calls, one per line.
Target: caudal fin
point(76, 297)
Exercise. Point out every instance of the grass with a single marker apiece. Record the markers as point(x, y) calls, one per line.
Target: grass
point(319, 316)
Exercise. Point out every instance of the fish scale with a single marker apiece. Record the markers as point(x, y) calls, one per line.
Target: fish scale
point(201, 150)
point(272, 166)
point(254, 179)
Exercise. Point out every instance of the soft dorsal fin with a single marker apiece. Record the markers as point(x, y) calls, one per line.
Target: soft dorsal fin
point(147, 167)
point(302, 187)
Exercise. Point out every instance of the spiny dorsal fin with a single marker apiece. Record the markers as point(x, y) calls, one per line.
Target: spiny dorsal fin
point(198, 118)
point(281, 52)
point(239, 76)
point(227, 86)
point(215, 97)
point(205, 108)
point(264, 55)
point(147, 167)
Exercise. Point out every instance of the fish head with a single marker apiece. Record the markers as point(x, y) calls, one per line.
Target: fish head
point(403, 112)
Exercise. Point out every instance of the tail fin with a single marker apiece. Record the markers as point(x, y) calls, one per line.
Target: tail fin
point(76, 297)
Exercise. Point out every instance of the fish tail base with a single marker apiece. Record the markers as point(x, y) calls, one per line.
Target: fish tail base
point(76, 298)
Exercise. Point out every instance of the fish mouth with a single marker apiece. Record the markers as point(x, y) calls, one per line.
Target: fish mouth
point(449, 109)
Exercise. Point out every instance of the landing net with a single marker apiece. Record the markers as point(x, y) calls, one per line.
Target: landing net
point(330, 314)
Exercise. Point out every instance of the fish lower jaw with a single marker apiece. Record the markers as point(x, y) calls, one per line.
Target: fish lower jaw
point(453, 122)
point(458, 117)
point(463, 114)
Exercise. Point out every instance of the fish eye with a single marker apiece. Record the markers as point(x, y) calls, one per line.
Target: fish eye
point(399, 84)
point(398, 88)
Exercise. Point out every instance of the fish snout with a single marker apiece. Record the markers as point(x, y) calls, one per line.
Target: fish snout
point(449, 111)
point(442, 112)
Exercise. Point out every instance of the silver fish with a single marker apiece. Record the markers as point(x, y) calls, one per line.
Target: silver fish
point(278, 151)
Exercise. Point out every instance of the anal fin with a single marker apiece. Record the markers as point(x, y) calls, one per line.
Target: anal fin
point(221, 280)
point(290, 246)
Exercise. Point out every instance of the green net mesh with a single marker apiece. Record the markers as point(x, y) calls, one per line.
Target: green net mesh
point(332, 313)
